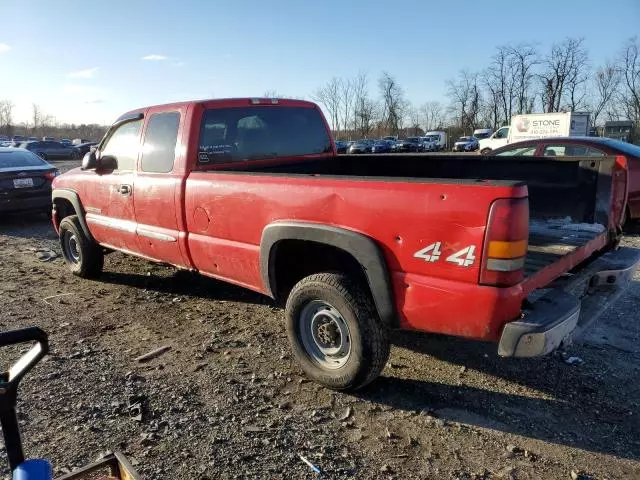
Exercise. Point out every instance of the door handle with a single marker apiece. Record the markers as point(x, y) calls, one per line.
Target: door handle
point(124, 189)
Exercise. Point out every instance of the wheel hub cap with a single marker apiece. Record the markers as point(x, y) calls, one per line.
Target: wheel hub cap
point(325, 334)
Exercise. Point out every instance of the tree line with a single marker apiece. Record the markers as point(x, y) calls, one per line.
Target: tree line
point(41, 124)
point(518, 79)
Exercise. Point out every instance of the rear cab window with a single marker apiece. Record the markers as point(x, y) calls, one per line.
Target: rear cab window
point(240, 134)
point(161, 136)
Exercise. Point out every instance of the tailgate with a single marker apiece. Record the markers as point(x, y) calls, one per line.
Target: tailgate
point(575, 206)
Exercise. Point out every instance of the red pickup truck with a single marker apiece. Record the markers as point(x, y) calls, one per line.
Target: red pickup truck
point(251, 191)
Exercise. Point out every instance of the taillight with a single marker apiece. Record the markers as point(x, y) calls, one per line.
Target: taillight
point(505, 242)
point(51, 175)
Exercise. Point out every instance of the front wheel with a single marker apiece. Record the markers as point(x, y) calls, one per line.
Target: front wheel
point(83, 256)
point(485, 151)
point(335, 332)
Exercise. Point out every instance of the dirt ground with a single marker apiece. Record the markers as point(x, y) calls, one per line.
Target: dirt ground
point(227, 400)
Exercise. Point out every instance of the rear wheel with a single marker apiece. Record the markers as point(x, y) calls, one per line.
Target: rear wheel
point(83, 256)
point(335, 332)
point(75, 155)
point(485, 151)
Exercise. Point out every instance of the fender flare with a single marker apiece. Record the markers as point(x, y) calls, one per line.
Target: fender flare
point(364, 249)
point(73, 198)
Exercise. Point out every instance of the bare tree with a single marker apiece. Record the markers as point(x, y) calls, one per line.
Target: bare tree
point(605, 86)
point(564, 75)
point(524, 58)
point(361, 104)
point(346, 102)
point(414, 117)
point(329, 97)
point(433, 115)
point(393, 103)
point(500, 79)
point(465, 99)
point(36, 116)
point(629, 96)
point(367, 116)
point(6, 116)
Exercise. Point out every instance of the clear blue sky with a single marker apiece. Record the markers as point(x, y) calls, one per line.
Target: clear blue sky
point(83, 60)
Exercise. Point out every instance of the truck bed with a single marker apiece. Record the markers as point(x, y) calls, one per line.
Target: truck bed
point(547, 245)
point(568, 197)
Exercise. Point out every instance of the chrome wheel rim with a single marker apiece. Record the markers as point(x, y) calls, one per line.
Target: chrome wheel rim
point(324, 334)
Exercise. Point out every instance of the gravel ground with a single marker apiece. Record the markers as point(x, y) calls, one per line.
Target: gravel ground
point(228, 401)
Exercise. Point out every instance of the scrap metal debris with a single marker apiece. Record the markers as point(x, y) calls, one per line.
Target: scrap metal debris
point(153, 353)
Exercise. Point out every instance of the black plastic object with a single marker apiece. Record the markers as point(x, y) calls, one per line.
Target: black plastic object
point(9, 381)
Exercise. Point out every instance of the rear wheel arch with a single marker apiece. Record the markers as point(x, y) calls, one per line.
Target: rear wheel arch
point(326, 248)
point(67, 203)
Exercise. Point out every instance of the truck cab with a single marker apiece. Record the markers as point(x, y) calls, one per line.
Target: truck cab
point(498, 139)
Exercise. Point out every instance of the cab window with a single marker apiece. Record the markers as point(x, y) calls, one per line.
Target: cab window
point(124, 144)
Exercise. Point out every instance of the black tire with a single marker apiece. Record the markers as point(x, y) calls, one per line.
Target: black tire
point(83, 256)
point(485, 151)
point(368, 338)
point(75, 155)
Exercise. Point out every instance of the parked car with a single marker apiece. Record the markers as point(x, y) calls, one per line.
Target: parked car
point(361, 146)
point(18, 138)
point(341, 147)
point(466, 144)
point(48, 139)
point(353, 247)
point(51, 150)
point(391, 138)
point(428, 144)
point(66, 141)
point(381, 146)
point(411, 144)
point(32, 139)
point(83, 148)
point(584, 147)
point(25, 181)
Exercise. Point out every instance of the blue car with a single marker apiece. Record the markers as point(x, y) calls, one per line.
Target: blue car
point(381, 146)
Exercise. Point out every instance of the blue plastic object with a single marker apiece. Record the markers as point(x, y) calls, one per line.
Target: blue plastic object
point(33, 470)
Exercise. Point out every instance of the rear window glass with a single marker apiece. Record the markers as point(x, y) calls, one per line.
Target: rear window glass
point(253, 133)
point(20, 159)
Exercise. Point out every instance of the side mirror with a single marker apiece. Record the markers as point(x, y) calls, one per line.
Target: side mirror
point(108, 162)
point(89, 161)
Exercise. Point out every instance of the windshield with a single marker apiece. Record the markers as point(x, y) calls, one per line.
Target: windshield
point(251, 133)
point(463, 139)
point(20, 158)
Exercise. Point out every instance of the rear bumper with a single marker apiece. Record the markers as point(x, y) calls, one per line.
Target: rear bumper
point(562, 312)
point(40, 202)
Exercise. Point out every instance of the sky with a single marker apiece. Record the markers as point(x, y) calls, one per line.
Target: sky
point(89, 61)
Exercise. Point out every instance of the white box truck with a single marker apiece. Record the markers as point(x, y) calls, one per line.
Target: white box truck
point(438, 138)
point(538, 125)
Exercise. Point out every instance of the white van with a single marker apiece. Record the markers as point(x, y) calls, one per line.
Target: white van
point(439, 138)
point(538, 125)
point(481, 133)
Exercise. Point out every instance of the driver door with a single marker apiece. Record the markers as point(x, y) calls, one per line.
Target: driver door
point(110, 194)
